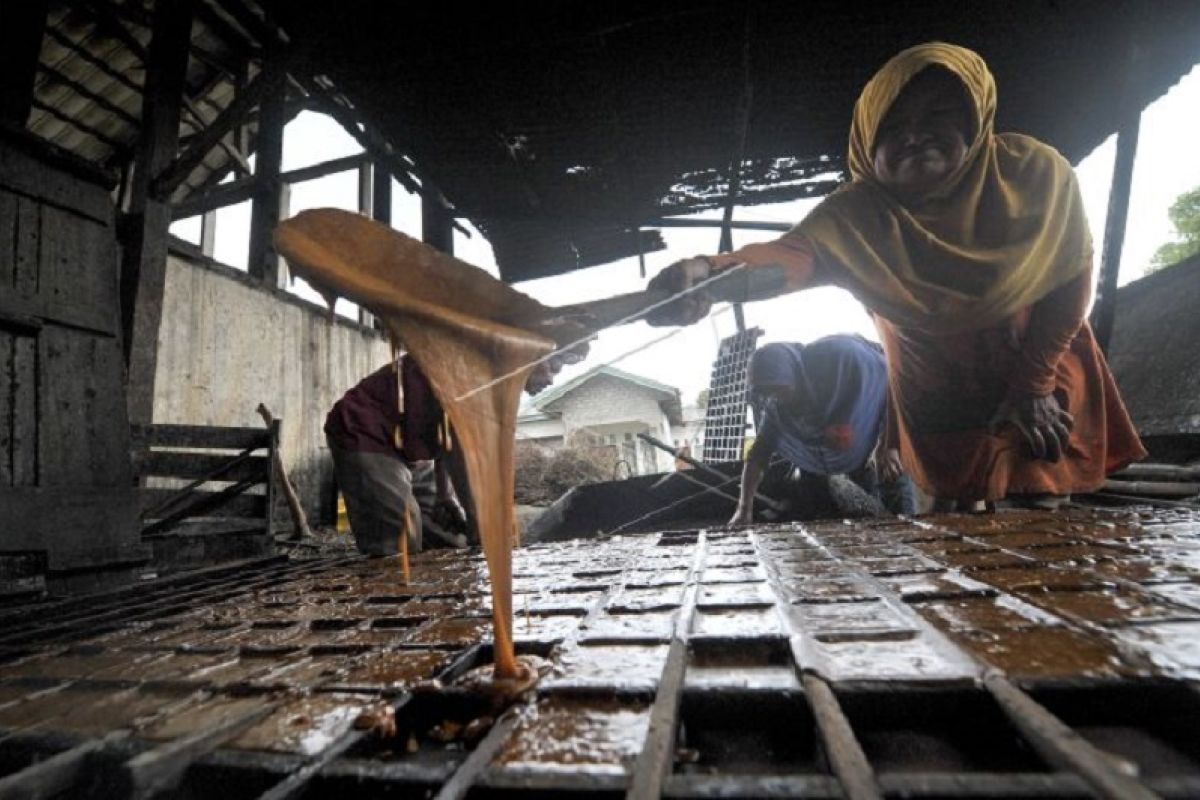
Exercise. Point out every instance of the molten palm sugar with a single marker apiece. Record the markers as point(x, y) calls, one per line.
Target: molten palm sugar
point(465, 330)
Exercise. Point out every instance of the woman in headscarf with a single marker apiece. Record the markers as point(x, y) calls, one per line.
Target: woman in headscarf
point(971, 250)
point(820, 407)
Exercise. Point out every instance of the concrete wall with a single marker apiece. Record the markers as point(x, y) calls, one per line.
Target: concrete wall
point(227, 344)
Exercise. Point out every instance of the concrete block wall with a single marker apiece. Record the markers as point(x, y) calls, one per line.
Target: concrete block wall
point(606, 400)
point(227, 344)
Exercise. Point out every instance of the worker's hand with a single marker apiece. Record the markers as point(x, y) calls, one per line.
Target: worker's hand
point(678, 277)
point(1044, 424)
point(743, 516)
point(886, 462)
point(572, 340)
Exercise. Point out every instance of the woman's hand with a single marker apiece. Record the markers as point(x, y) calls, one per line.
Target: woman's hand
point(679, 277)
point(886, 461)
point(1044, 424)
point(571, 339)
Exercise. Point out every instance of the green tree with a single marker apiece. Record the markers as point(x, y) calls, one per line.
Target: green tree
point(702, 399)
point(1185, 216)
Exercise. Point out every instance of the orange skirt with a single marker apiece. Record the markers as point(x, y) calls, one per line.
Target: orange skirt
point(945, 389)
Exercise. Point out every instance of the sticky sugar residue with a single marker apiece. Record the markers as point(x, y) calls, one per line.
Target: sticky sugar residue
point(464, 329)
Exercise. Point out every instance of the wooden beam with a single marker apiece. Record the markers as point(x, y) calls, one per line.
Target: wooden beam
point(227, 194)
point(252, 24)
point(144, 260)
point(225, 122)
point(330, 167)
point(111, 25)
point(366, 193)
point(219, 196)
point(227, 33)
point(20, 44)
point(1104, 313)
point(262, 261)
point(437, 225)
point(381, 194)
point(208, 233)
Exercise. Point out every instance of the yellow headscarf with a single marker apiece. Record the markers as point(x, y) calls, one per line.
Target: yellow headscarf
point(1002, 232)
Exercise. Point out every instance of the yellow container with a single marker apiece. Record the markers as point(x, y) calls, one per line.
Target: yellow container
point(343, 519)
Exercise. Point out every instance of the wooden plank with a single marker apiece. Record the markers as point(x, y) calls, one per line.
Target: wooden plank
point(26, 232)
point(168, 464)
point(198, 436)
point(262, 261)
point(7, 345)
point(72, 186)
point(77, 271)
point(83, 435)
point(8, 231)
point(246, 505)
point(24, 401)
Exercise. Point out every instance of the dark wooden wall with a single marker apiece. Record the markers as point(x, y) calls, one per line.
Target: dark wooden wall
point(66, 493)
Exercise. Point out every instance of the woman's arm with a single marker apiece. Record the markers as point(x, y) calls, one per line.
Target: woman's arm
point(1053, 322)
point(1030, 405)
point(752, 475)
point(791, 253)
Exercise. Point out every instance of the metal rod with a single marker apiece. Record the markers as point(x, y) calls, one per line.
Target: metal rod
point(155, 771)
point(480, 759)
point(1062, 747)
point(58, 774)
point(770, 503)
point(846, 756)
point(653, 764)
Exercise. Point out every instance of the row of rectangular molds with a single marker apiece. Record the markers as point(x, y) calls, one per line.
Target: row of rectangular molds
point(922, 658)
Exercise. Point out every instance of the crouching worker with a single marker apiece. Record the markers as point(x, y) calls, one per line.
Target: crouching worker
point(821, 407)
point(392, 455)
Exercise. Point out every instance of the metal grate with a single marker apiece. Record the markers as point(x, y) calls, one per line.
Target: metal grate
point(1013, 655)
point(725, 418)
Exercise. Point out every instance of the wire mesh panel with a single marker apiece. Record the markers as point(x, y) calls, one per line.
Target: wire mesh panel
point(1022, 654)
point(725, 417)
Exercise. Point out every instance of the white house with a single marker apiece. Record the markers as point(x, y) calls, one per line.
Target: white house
point(606, 407)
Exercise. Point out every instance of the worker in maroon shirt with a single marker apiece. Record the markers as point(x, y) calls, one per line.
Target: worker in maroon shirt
point(392, 448)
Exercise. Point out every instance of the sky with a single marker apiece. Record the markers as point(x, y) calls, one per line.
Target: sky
point(1167, 164)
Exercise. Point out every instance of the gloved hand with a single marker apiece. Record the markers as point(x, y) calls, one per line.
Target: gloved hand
point(676, 278)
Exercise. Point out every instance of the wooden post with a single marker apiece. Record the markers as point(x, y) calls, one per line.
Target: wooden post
point(437, 225)
point(20, 44)
point(381, 194)
point(1105, 311)
point(208, 233)
point(366, 192)
point(263, 261)
point(144, 258)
